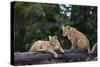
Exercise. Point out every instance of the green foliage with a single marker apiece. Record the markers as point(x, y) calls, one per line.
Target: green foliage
point(36, 21)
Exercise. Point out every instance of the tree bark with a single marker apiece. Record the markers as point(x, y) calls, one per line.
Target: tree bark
point(26, 58)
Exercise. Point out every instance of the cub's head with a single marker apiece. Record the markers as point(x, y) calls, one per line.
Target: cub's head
point(54, 40)
point(66, 30)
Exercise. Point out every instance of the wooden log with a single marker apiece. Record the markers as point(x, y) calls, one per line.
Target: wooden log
point(26, 58)
point(36, 58)
point(93, 55)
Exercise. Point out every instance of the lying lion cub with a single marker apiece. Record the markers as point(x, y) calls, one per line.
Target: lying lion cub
point(48, 46)
point(77, 38)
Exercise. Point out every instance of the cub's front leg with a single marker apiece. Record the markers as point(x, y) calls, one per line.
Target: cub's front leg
point(73, 45)
point(41, 50)
point(61, 50)
point(52, 52)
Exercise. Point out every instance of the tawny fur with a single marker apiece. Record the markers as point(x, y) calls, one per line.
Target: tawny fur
point(77, 38)
point(50, 46)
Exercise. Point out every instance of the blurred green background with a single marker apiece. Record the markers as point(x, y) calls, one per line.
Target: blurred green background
point(36, 21)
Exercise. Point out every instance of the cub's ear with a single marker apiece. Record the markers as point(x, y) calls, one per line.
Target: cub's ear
point(55, 36)
point(62, 27)
point(49, 37)
point(69, 28)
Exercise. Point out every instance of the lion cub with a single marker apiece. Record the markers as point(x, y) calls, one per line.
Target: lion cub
point(77, 38)
point(48, 46)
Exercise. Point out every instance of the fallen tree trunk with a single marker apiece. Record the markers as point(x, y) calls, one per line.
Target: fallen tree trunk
point(93, 55)
point(35, 58)
point(26, 58)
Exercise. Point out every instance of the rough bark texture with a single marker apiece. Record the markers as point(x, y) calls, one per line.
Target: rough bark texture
point(93, 55)
point(25, 58)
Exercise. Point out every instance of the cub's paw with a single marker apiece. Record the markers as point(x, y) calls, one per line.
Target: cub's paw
point(62, 51)
point(55, 56)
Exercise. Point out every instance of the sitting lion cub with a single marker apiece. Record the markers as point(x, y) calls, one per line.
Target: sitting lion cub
point(48, 46)
point(77, 38)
